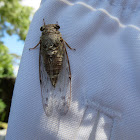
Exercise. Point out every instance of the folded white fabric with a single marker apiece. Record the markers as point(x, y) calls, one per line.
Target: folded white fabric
point(105, 73)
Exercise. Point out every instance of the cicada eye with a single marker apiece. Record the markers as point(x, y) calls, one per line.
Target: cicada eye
point(42, 28)
point(57, 26)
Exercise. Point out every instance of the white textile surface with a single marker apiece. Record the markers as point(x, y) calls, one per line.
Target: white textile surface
point(105, 73)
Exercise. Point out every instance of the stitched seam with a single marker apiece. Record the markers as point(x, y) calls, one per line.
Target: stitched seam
point(95, 126)
point(105, 110)
point(111, 130)
point(127, 6)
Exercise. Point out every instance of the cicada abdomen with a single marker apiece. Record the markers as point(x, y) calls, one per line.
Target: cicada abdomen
point(54, 70)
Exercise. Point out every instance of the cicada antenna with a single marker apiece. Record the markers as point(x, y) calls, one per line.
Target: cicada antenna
point(44, 22)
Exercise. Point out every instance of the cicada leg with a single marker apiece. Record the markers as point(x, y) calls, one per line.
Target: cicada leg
point(35, 46)
point(69, 46)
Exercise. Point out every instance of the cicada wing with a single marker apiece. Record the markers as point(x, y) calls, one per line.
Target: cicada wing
point(46, 88)
point(58, 97)
point(63, 87)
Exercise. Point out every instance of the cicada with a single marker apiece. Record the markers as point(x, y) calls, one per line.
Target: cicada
point(54, 70)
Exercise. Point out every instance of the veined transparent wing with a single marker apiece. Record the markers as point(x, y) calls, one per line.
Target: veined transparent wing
point(59, 97)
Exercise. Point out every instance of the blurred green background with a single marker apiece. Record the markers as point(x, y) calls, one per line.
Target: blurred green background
point(15, 17)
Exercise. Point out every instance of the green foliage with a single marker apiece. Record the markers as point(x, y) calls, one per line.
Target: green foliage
point(6, 92)
point(6, 67)
point(2, 106)
point(2, 110)
point(3, 125)
point(18, 17)
point(14, 19)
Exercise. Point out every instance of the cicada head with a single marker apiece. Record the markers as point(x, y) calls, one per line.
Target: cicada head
point(49, 27)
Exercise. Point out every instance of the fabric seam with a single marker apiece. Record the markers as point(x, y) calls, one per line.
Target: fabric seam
point(105, 110)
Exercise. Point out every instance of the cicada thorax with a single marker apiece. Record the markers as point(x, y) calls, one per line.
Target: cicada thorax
point(52, 51)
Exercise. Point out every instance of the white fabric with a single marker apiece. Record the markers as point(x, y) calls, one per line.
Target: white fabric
point(105, 73)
